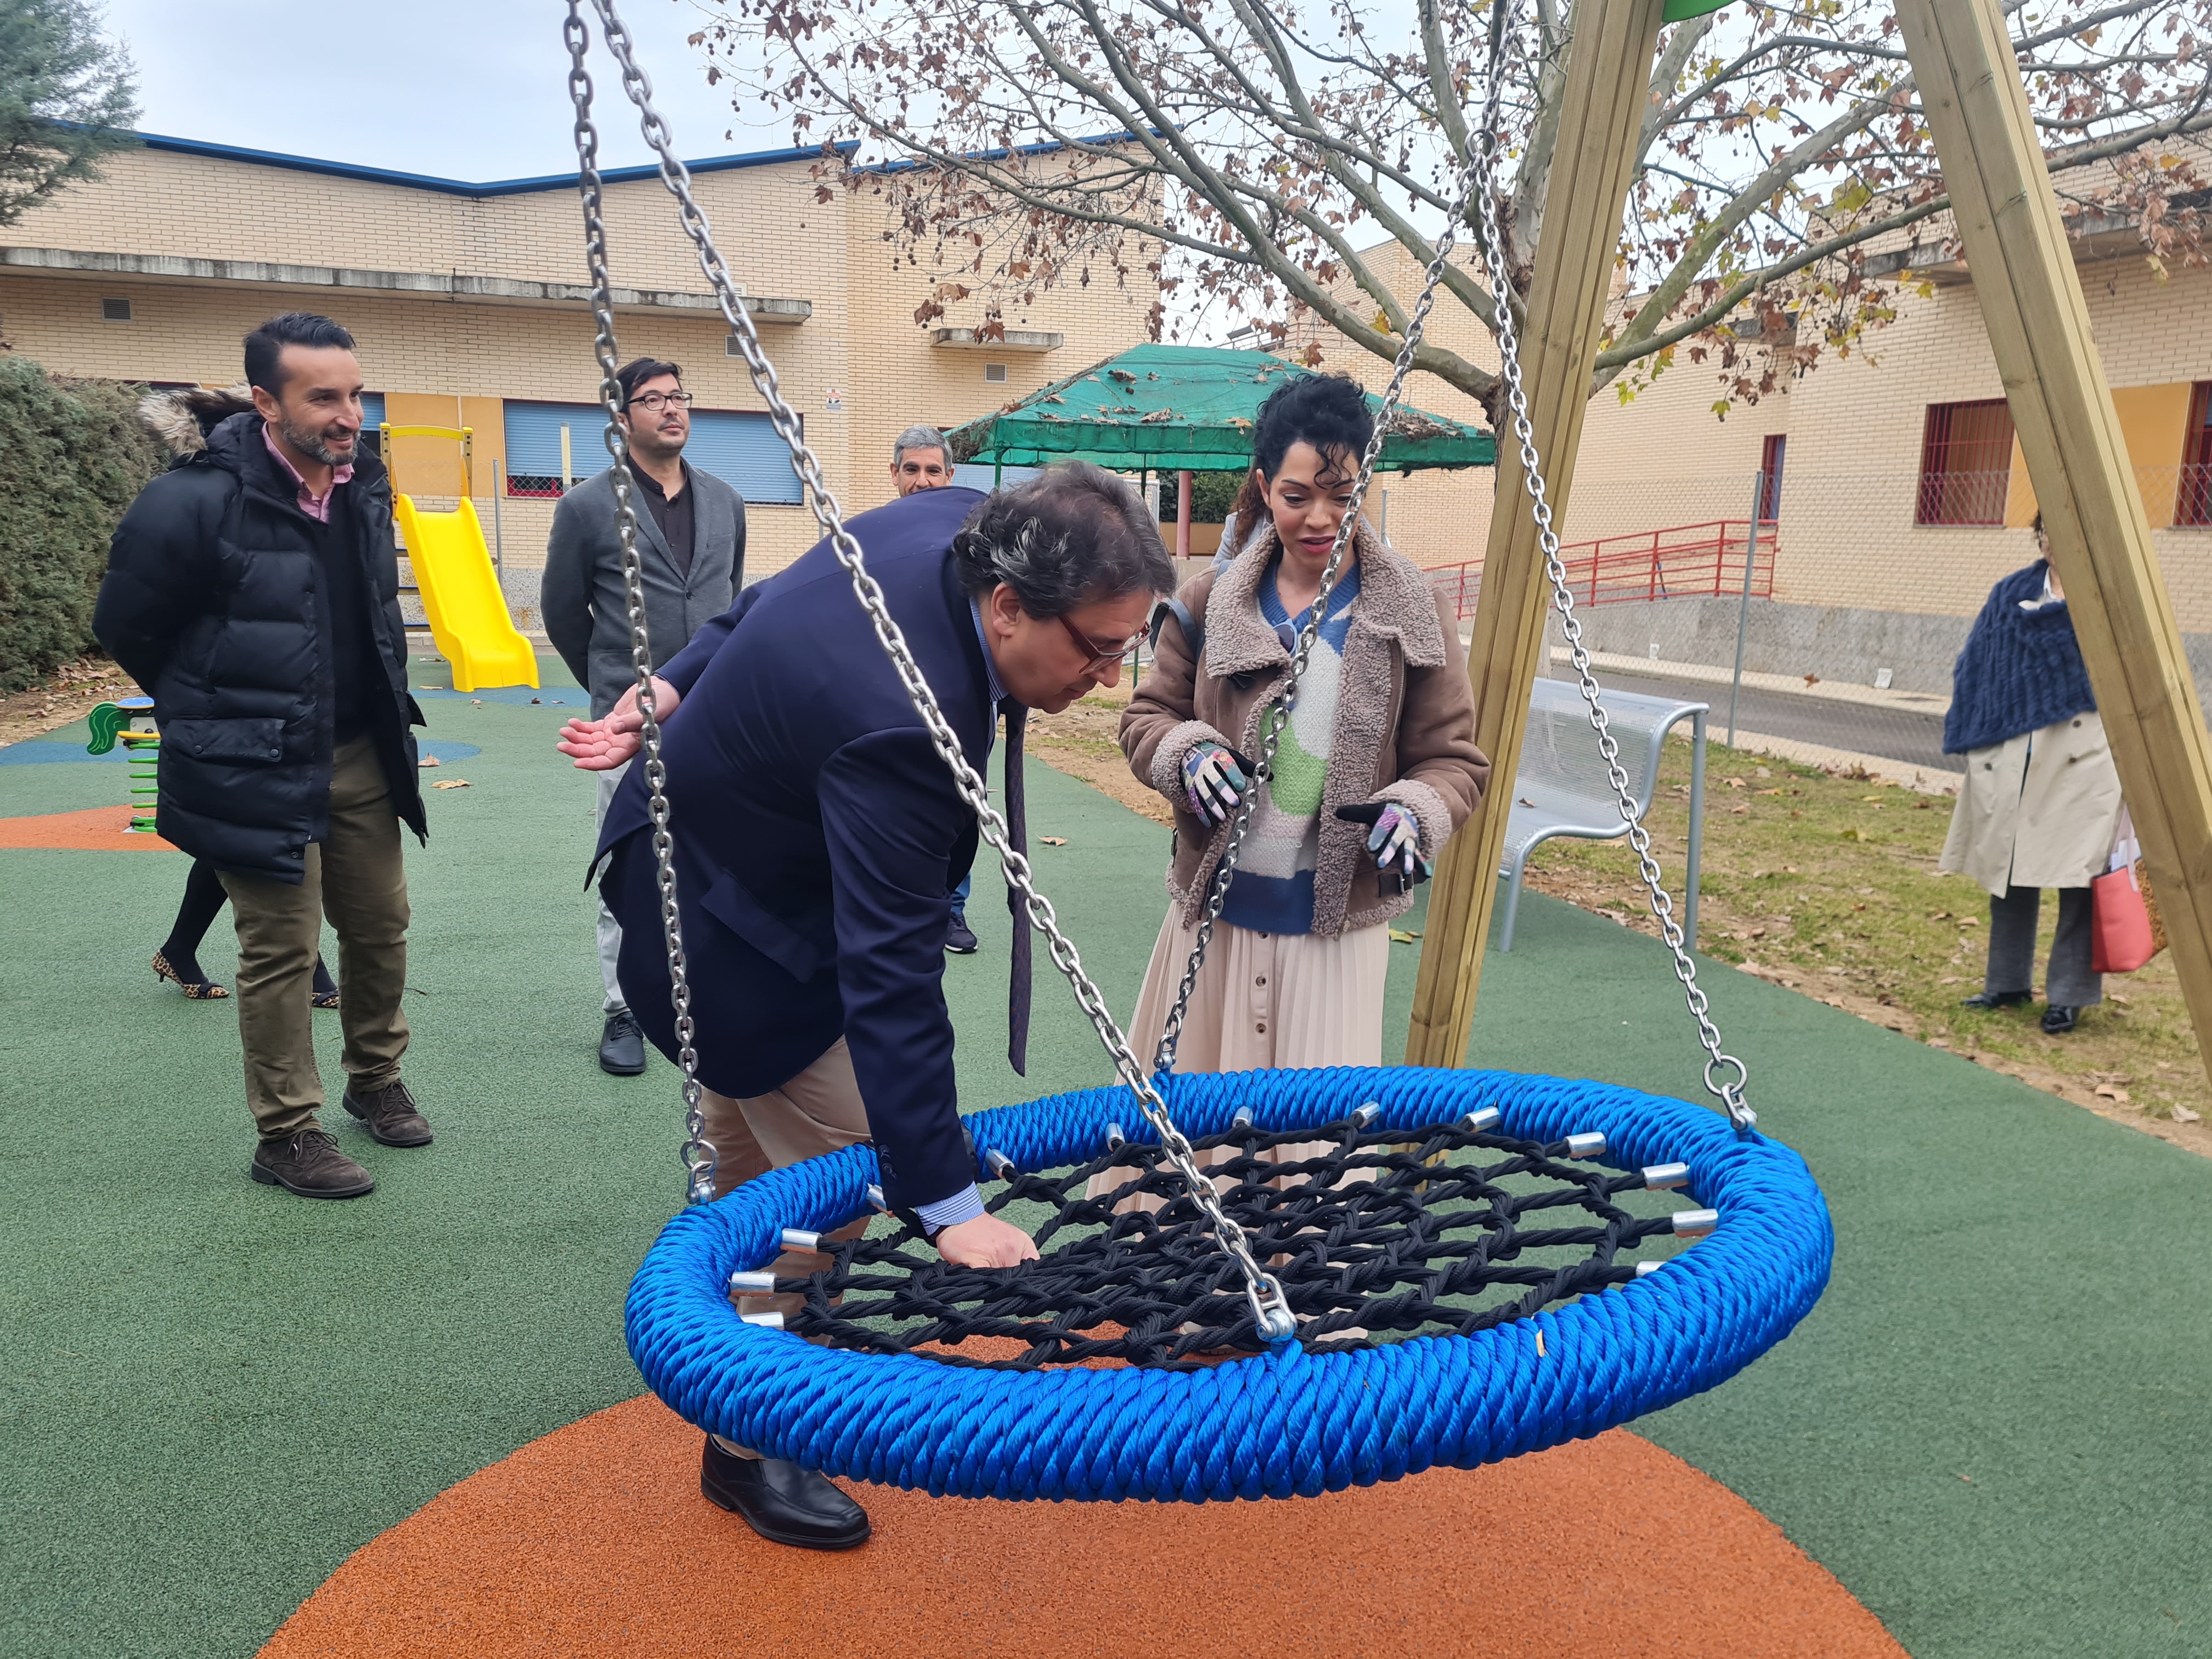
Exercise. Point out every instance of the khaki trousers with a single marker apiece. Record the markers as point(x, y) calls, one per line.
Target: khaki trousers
point(355, 877)
point(818, 1111)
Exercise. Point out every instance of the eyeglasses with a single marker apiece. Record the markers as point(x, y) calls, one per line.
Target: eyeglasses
point(1099, 656)
point(653, 402)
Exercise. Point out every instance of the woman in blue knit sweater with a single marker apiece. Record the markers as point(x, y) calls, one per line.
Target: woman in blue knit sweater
point(2042, 800)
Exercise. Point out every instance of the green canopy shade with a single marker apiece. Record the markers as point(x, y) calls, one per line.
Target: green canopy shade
point(1168, 407)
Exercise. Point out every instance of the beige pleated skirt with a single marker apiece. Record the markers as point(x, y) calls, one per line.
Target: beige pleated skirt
point(1266, 999)
point(1261, 1000)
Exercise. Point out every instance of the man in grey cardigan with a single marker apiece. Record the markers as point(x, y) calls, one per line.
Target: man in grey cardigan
point(691, 552)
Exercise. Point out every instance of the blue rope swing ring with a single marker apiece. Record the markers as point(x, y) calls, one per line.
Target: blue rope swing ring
point(1287, 1422)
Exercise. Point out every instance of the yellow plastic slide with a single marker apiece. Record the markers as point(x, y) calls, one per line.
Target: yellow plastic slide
point(468, 613)
point(454, 573)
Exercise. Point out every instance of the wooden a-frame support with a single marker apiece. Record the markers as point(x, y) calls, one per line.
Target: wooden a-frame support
point(2039, 330)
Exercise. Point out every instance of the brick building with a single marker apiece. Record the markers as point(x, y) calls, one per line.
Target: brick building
point(469, 305)
point(1894, 484)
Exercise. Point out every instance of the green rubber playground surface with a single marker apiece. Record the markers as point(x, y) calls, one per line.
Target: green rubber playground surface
point(1988, 1430)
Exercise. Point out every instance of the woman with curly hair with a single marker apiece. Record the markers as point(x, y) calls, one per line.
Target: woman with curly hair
point(1376, 769)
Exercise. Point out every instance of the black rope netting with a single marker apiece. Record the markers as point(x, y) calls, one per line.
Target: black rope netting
point(1374, 1235)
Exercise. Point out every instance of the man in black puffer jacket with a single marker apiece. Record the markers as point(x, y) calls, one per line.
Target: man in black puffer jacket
point(252, 592)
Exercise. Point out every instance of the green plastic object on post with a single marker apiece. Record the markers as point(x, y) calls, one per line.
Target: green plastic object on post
point(1678, 10)
point(106, 720)
point(111, 724)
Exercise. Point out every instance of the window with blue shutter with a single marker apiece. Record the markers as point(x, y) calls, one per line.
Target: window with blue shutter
point(372, 417)
point(533, 446)
point(739, 447)
point(742, 449)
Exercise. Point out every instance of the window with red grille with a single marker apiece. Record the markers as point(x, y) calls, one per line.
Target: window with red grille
point(1966, 463)
point(2192, 502)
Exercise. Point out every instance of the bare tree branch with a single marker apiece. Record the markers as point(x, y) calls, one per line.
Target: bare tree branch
point(1244, 158)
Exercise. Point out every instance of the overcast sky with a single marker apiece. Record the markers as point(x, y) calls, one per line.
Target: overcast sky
point(474, 90)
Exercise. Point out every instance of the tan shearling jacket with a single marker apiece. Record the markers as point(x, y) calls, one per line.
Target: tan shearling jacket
point(1404, 731)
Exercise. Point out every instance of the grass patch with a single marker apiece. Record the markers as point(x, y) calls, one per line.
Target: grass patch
point(1827, 883)
point(1081, 741)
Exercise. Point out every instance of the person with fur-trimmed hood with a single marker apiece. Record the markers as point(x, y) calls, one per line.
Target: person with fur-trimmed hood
point(252, 593)
point(1376, 769)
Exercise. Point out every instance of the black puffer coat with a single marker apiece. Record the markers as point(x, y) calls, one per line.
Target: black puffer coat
point(213, 602)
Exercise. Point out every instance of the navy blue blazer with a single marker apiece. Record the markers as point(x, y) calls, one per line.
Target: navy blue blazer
point(817, 837)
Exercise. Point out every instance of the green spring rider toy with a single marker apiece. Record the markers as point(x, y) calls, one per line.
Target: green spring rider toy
point(111, 724)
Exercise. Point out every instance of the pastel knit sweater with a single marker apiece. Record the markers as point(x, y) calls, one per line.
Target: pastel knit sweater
point(1273, 891)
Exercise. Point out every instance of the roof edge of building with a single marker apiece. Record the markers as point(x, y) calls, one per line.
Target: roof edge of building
point(442, 284)
point(461, 186)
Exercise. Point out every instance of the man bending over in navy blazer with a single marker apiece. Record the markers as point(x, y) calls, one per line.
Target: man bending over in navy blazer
point(817, 832)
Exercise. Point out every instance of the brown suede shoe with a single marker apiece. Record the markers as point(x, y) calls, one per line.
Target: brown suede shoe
point(390, 1115)
point(310, 1164)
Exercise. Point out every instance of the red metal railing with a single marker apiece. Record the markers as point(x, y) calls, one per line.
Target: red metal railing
point(1684, 561)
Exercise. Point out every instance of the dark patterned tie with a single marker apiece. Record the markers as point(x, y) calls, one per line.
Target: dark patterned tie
point(1018, 990)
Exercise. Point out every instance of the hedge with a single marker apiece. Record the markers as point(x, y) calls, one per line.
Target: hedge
point(73, 454)
point(1211, 495)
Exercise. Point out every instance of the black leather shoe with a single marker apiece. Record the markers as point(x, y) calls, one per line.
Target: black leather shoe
point(2058, 1020)
point(1992, 999)
point(958, 940)
point(781, 1501)
point(622, 1046)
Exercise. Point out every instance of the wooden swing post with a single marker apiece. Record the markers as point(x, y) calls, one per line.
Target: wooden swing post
point(2038, 328)
point(1601, 114)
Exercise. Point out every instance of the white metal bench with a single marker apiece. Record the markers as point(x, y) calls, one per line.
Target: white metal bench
point(1562, 789)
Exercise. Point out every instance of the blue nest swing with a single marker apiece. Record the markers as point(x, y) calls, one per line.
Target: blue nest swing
point(1296, 1418)
point(1423, 1304)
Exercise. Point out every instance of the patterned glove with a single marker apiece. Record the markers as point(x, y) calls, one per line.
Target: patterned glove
point(1395, 838)
point(1214, 777)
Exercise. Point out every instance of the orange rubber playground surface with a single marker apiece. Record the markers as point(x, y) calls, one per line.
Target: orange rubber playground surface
point(595, 1540)
point(237, 1423)
point(96, 830)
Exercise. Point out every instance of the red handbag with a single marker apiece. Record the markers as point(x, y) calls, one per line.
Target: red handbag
point(2122, 936)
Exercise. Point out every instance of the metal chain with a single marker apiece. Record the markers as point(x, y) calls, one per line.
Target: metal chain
point(1482, 159)
point(1269, 1305)
point(698, 1153)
